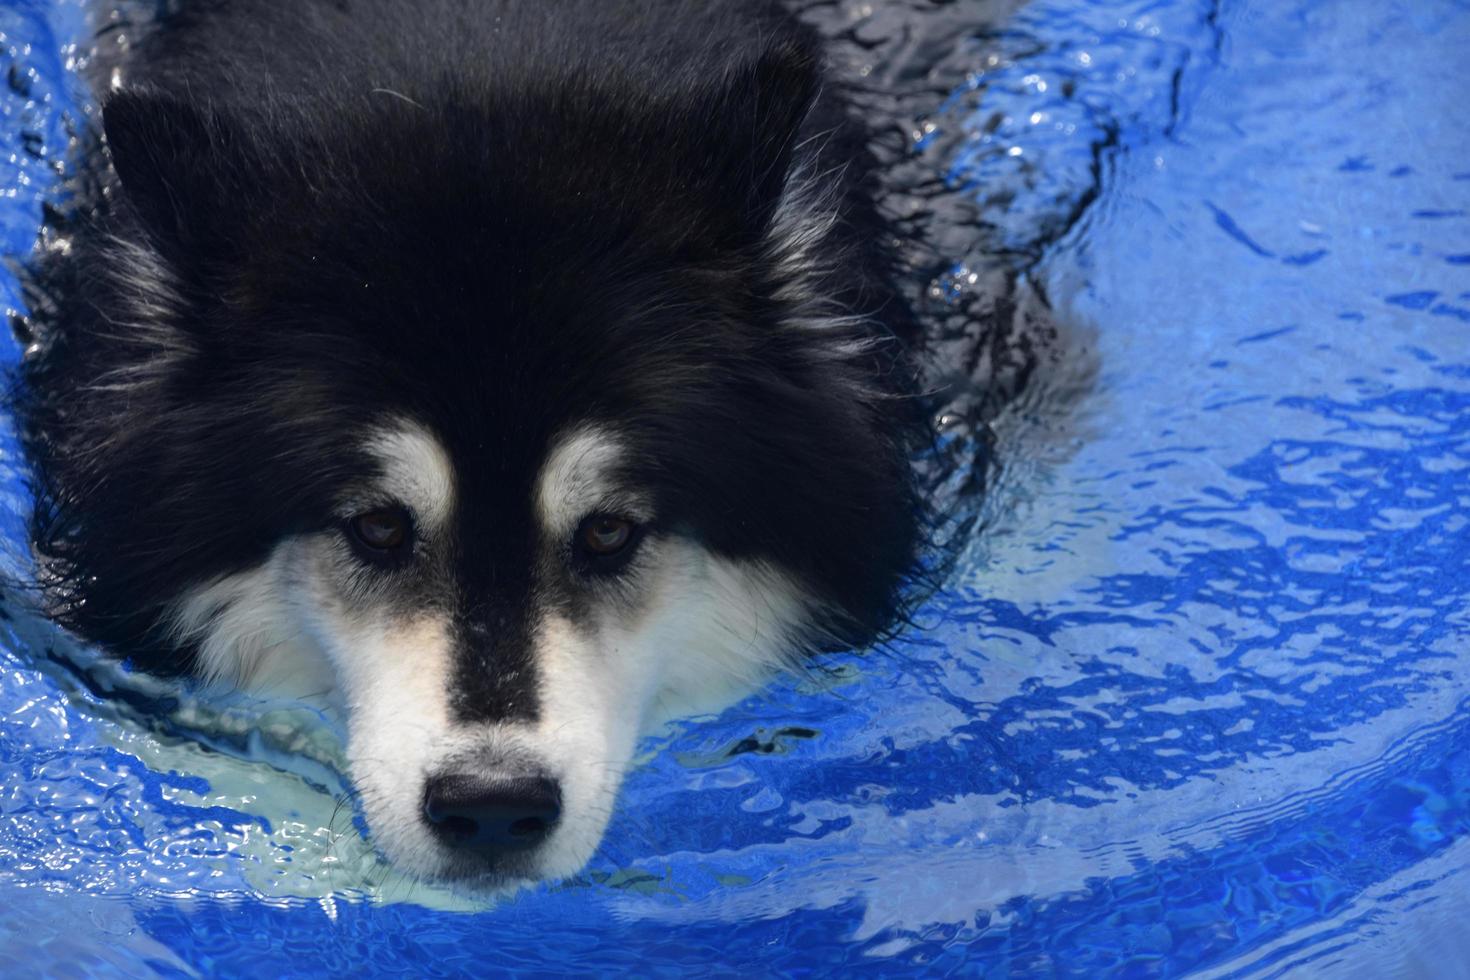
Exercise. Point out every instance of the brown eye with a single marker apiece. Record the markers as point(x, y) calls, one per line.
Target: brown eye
point(381, 530)
point(606, 536)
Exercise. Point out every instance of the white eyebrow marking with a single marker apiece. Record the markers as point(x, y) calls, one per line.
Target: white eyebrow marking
point(417, 471)
point(575, 479)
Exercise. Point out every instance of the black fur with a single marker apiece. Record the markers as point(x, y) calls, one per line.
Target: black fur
point(497, 218)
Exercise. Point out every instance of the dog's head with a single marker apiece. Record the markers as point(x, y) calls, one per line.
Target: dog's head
point(530, 437)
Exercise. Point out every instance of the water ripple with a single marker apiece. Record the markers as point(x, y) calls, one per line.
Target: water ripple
point(1197, 698)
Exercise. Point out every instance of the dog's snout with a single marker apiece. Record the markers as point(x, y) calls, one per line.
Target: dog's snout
point(492, 813)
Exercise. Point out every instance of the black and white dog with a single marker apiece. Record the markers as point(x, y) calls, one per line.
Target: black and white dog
point(524, 372)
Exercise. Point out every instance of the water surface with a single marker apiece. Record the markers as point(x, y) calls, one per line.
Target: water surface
point(1196, 697)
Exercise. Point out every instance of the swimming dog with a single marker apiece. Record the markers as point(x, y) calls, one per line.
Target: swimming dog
point(523, 374)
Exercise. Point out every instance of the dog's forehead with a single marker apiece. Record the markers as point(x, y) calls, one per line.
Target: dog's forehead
point(578, 472)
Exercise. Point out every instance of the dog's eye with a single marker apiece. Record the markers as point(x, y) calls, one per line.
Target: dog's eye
point(381, 533)
point(605, 542)
point(606, 535)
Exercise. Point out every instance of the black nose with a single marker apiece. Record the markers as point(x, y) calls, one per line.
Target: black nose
point(492, 813)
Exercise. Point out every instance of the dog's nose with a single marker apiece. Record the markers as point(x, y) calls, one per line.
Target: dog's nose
point(492, 813)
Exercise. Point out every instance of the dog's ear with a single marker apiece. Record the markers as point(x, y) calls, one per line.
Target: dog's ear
point(176, 162)
point(754, 125)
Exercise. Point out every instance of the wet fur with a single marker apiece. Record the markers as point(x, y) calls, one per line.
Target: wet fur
point(501, 224)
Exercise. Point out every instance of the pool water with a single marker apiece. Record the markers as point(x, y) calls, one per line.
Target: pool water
point(1196, 696)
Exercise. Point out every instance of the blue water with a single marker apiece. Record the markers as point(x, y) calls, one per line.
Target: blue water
point(1197, 697)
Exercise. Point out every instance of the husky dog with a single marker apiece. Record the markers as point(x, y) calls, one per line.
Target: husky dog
point(522, 373)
